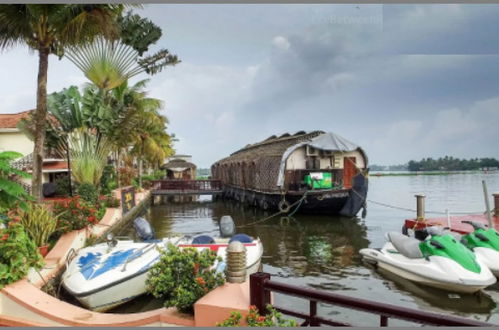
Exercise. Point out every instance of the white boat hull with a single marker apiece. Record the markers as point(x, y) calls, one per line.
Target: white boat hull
point(113, 287)
point(438, 272)
point(489, 257)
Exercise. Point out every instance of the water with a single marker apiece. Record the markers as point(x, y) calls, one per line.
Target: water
point(322, 251)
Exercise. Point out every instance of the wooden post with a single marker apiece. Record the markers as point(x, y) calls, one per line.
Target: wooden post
point(496, 203)
point(259, 297)
point(487, 205)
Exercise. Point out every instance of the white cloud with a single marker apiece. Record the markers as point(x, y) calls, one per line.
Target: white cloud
point(281, 42)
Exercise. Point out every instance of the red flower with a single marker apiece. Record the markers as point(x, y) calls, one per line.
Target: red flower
point(253, 308)
point(92, 219)
point(261, 319)
point(196, 268)
point(200, 281)
point(4, 237)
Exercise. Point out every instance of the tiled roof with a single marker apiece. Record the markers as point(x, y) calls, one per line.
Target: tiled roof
point(10, 120)
point(55, 166)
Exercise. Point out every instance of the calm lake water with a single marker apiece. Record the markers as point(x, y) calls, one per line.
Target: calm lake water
point(322, 251)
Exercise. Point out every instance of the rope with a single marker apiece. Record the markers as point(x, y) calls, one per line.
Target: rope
point(412, 210)
point(280, 212)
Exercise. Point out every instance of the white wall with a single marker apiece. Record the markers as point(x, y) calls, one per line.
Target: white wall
point(15, 141)
point(297, 160)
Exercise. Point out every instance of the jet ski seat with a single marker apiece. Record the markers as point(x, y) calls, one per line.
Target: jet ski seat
point(407, 246)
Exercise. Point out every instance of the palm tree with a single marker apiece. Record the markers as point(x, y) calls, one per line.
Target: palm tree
point(140, 126)
point(50, 29)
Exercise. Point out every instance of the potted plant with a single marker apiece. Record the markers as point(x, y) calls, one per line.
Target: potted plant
point(39, 222)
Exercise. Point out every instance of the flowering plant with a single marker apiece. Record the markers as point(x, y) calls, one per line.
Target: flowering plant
point(254, 319)
point(182, 276)
point(75, 214)
point(17, 253)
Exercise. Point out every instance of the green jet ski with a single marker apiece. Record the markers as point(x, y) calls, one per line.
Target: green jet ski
point(439, 261)
point(484, 242)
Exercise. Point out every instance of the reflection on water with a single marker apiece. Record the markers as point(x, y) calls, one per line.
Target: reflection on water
point(479, 302)
point(322, 251)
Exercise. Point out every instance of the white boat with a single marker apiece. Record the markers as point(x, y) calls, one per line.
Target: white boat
point(106, 275)
point(440, 262)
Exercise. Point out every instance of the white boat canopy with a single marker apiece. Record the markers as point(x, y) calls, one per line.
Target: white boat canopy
point(326, 141)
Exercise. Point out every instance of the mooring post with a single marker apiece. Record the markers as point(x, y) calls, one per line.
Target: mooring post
point(496, 203)
point(487, 205)
point(236, 262)
point(259, 297)
point(420, 206)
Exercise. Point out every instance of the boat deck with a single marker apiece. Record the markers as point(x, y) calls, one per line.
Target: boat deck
point(456, 222)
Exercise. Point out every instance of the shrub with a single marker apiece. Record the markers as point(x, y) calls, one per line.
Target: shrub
point(17, 254)
point(110, 201)
point(62, 186)
point(181, 277)
point(75, 214)
point(11, 193)
point(39, 222)
point(107, 179)
point(126, 174)
point(254, 319)
point(88, 192)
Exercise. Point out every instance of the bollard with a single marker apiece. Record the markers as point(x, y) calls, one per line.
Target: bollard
point(236, 262)
point(496, 203)
point(420, 206)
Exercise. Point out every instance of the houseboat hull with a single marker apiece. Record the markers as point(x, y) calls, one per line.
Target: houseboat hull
point(315, 172)
point(346, 202)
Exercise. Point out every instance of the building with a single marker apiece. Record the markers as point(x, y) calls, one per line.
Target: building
point(180, 167)
point(13, 139)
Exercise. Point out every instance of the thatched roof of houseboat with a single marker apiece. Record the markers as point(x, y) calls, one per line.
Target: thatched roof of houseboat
point(178, 165)
point(268, 156)
point(273, 146)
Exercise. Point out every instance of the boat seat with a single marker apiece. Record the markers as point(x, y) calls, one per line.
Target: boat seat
point(203, 239)
point(407, 246)
point(243, 238)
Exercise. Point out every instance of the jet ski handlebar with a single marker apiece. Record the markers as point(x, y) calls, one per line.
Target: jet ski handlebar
point(475, 224)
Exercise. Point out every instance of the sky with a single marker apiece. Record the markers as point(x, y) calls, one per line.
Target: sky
point(401, 81)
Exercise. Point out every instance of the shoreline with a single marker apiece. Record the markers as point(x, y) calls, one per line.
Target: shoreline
point(419, 173)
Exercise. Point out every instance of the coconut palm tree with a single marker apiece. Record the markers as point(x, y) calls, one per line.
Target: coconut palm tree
point(50, 29)
point(140, 127)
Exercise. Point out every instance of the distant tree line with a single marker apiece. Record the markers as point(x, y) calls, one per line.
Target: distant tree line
point(374, 167)
point(452, 164)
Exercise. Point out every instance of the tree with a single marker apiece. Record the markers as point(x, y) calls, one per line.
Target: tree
point(141, 127)
point(50, 29)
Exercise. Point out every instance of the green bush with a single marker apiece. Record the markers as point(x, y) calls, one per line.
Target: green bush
point(17, 254)
point(181, 277)
point(254, 319)
point(11, 192)
point(62, 186)
point(107, 179)
point(88, 192)
point(75, 214)
point(110, 201)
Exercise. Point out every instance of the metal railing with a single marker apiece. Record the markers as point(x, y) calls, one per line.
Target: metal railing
point(261, 285)
point(190, 185)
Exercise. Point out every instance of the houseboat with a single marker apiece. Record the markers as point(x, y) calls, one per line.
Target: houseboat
point(314, 172)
